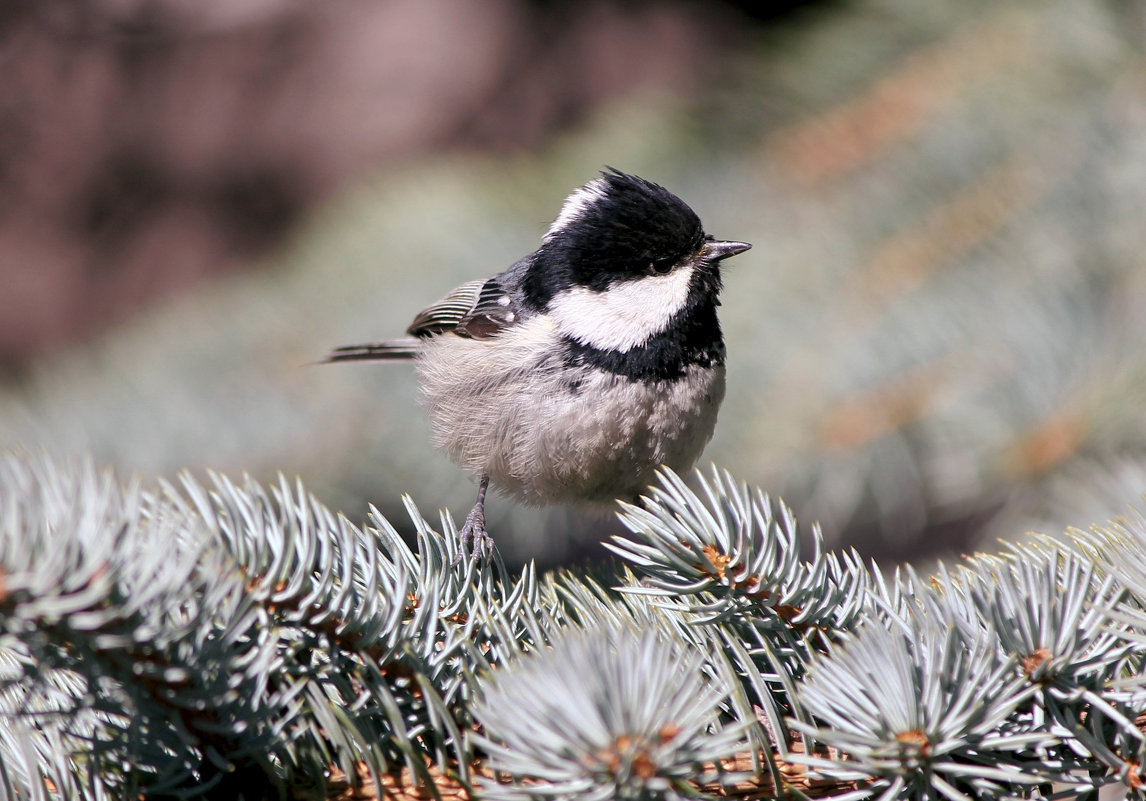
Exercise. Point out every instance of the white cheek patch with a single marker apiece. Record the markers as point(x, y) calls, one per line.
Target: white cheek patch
point(576, 204)
point(626, 314)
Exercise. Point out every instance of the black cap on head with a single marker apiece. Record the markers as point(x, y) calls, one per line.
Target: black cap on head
point(610, 230)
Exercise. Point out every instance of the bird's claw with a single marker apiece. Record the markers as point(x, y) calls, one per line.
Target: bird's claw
point(473, 533)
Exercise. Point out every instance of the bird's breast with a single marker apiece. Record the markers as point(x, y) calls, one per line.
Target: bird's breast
point(545, 432)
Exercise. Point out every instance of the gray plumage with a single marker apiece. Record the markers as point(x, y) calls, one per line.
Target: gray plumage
point(545, 436)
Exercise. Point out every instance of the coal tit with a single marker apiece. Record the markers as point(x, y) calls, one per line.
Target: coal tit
point(574, 374)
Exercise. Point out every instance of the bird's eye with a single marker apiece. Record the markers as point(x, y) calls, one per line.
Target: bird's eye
point(661, 266)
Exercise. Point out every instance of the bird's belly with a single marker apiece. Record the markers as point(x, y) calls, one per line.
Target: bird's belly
point(544, 439)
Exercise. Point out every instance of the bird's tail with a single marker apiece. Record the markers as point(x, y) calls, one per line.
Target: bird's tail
point(391, 350)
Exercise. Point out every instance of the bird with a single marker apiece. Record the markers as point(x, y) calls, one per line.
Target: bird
point(576, 373)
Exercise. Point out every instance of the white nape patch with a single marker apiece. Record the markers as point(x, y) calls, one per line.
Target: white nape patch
point(626, 314)
point(576, 204)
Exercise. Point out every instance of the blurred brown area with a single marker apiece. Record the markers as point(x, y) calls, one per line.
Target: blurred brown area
point(145, 144)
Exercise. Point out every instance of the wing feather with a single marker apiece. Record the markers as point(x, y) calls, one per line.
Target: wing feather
point(476, 309)
point(445, 314)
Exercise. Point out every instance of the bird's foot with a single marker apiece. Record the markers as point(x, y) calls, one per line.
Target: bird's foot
point(473, 534)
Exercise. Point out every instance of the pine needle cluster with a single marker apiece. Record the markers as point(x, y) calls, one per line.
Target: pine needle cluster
point(227, 639)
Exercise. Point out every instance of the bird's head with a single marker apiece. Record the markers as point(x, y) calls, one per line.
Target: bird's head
point(623, 259)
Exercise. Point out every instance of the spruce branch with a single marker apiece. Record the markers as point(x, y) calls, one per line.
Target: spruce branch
point(356, 661)
point(127, 625)
point(1052, 616)
point(612, 713)
point(921, 712)
point(725, 559)
point(197, 633)
point(207, 637)
point(732, 553)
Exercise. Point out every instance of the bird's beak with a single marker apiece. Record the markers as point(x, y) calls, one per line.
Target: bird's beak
point(716, 251)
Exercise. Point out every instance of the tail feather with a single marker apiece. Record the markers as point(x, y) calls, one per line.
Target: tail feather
point(391, 350)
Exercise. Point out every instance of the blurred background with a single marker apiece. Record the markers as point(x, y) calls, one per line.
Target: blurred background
point(937, 340)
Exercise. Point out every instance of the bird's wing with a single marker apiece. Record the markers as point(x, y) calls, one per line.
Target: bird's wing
point(476, 309)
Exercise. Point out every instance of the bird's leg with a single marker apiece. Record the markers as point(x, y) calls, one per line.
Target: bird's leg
point(473, 530)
